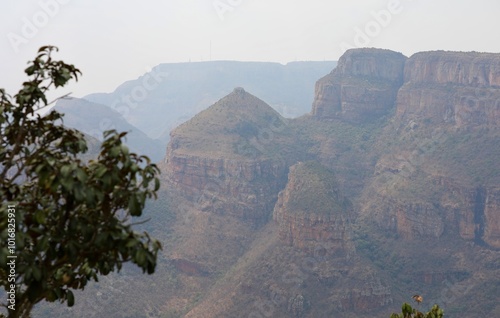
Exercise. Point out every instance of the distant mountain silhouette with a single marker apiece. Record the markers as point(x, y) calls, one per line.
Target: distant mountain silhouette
point(93, 119)
point(172, 93)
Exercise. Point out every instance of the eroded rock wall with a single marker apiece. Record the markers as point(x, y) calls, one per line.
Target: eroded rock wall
point(362, 87)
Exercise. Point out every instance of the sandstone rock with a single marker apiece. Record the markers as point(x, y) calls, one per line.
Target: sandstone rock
point(224, 159)
point(420, 221)
point(362, 87)
point(312, 215)
point(368, 295)
point(297, 306)
point(440, 67)
point(472, 213)
point(189, 268)
point(492, 217)
point(453, 88)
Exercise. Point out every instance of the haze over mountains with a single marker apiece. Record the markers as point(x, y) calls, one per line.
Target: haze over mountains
point(389, 187)
point(170, 94)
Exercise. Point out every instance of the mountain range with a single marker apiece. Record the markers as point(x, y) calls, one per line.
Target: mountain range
point(150, 106)
point(388, 187)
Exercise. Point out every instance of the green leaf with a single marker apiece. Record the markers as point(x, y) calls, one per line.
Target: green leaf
point(71, 298)
point(37, 273)
point(101, 171)
point(67, 183)
point(30, 70)
point(81, 175)
point(40, 217)
point(140, 257)
point(406, 309)
point(51, 296)
point(124, 149)
point(115, 151)
point(65, 170)
point(133, 206)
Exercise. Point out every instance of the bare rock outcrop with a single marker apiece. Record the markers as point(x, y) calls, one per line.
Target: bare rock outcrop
point(312, 215)
point(225, 161)
point(454, 88)
point(362, 87)
point(435, 179)
point(431, 206)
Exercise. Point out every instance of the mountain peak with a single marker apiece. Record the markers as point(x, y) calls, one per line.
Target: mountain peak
point(234, 118)
point(239, 91)
point(362, 88)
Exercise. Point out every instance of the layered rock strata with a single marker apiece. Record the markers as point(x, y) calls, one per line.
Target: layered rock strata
point(312, 215)
point(224, 159)
point(362, 87)
point(459, 89)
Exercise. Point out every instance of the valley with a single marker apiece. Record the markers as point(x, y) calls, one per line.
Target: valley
point(388, 187)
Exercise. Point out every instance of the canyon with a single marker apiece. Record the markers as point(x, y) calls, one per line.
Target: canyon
point(389, 187)
point(412, 128)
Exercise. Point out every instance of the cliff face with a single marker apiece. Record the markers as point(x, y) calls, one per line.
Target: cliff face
point(469, 213)
point(424, 187)
point(362, 87)
point(224, 158)
point(244, 188)
point(312, 215)
point(491, 218)
point(458, 68)
point(459, 89)
point(425, 196)
point(440, 174)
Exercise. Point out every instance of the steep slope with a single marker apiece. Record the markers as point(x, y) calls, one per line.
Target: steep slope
point(183, 89)
point(425, 206)
point(451, 88)
point(362, 87)
point(93, 119)
point(305, 265)
point(234, 156)
point(385, 190)
point(441, 173)
point(310, 209)
point(437, 178)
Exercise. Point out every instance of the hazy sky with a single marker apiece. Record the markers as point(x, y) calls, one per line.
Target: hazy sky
point(115, 41)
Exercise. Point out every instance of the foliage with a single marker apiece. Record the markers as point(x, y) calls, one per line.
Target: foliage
point(71, 216)
point(409, 312)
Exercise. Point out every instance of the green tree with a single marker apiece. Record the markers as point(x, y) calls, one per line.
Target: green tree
point(70, 217)
point(408, 312)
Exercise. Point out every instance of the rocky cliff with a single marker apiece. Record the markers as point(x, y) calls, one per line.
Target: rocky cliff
point(451, 210)
point(362, 87)
point(439, 175)
point(424, 186)
point(312, 215)
point(407, 203)
point(225, 158)
point(459, 89)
